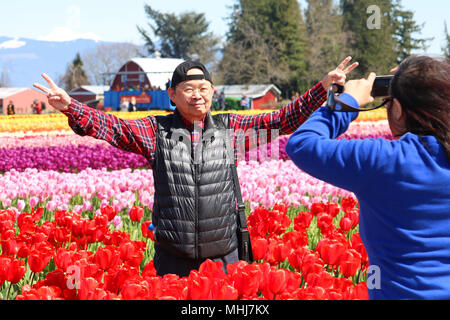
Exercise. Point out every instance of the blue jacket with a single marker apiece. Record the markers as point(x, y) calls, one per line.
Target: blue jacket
point(403, 190)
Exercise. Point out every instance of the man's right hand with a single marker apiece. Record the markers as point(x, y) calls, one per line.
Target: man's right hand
point(57, 97)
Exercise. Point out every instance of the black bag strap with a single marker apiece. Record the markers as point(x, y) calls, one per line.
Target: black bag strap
point(240, 202)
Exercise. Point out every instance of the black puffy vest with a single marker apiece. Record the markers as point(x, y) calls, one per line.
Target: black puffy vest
point(194, 207)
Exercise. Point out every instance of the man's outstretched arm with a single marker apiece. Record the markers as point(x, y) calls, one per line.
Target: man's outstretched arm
point(130, 135)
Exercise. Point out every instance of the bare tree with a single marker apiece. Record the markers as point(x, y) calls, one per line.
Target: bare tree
point(108, 58)
point(252, 59)
point(327, 43)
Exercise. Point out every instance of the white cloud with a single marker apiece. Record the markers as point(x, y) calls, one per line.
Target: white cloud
point(12, 44)
point(71, 30)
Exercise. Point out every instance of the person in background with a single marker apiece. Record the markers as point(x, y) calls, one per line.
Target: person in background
point(132, 105)
point(221, 100)
point(10, 109)
point(194, 210)
point(402, 186)
point(244, 103)
point(124, 105)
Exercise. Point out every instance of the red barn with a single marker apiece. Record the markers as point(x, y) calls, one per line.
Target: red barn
point(145, 74)
point(86, 94)
point(261, 96)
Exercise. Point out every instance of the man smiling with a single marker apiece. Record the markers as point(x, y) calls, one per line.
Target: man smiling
point(195, 197)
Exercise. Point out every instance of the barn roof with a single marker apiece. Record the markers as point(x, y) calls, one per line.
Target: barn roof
point(97, 90)
point(7, 92)
point(158, 70)
point(252, 91)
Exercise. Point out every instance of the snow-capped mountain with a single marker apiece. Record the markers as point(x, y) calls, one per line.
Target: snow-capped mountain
point(23, 61)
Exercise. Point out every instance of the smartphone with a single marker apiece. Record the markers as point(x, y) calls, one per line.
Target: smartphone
point(381, 86)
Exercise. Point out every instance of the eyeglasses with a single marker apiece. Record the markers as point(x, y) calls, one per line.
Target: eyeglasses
point(336, 104)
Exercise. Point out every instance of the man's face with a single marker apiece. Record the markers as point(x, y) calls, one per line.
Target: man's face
point(193, 98)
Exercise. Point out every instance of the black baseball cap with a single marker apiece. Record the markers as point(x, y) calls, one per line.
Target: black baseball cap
point(179, 75)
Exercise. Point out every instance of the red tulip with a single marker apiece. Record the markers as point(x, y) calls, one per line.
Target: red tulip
point(302, 220)
point(109, 211)
point(332, 209)
point(37, 261)
point(149, 270)
point(136, 213)
point(212, 269)
point(350, 262)
point(275, 282)
point(317, 208)
point(296, 257)
point(146, 233)
point(259, 246)
point(16, 271)
point(246, 280)
point(357, 244)
point(107, 257)
point(10, 247)
point(296, 239)
point(325, 223)
point(348, 203)
point(320, 279)
point(345, 224)
point(199, 286)
point(330, 251)
point(134, 290)
point(223, 291)
point(281, 207)
point(87, 288)
point(358, 292)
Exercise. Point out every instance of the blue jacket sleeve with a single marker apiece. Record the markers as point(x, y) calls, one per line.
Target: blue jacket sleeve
point(343, 163)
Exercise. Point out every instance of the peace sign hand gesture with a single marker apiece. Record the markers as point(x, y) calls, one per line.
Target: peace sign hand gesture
point(57, 97)
point(339, 74)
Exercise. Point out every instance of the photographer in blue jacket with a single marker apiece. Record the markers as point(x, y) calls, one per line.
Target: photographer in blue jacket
point(402, 186)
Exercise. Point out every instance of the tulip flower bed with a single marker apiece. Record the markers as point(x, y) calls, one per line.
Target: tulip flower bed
point(310, 254)
point(74, 217)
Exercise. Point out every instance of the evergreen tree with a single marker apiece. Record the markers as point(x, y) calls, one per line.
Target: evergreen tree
point(270, 33)
point(370, 26)
point(184, 36)
point(446, 49)
point(75, 75)
point(404, 29)
point(327, 43)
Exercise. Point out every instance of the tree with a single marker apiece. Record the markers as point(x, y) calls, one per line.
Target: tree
point(75, 75)
point(404, 29)
point(108, 58)
point(5, 80)
point(370, 26)
point(446, 49)
point(184, 36)
point(327, 43)
point(252, 59)
point(271, 33)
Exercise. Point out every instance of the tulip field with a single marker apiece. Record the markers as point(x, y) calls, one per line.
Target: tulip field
point(75, 211)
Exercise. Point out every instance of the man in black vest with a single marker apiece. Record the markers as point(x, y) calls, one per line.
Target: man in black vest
point(191, 153)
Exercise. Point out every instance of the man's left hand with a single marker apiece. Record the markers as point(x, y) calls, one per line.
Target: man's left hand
point(339, 74)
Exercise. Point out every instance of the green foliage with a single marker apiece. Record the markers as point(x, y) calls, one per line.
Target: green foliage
point(75, 75)
point(446, 49)
point(184, 36)
point(265, 43)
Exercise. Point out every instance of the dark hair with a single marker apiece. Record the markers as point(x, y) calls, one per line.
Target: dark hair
point(422, 86)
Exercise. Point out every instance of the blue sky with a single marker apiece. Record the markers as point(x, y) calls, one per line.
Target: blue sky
point(116, 20)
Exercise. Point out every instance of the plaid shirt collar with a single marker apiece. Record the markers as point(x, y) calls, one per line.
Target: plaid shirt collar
point(190, 126)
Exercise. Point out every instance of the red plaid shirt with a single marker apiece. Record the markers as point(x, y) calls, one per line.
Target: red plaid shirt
point(138, 135)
